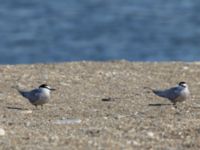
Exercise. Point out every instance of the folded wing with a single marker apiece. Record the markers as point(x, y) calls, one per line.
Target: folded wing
point(171, 93)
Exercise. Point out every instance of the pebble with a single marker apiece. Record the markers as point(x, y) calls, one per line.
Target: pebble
point(2, 132)
point(67, 121)
point(185, 68)
point(27, 124)
point(150, 134)
point(26, 111)
point(54, 139)
point(136, 143)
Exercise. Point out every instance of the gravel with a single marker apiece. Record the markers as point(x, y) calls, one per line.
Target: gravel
point(100, 105)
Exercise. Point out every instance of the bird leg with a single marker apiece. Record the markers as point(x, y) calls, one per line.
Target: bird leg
point(36, 107)
point(174, 104)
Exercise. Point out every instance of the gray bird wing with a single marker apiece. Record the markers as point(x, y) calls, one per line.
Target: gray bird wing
point(171, 93)
point(33, 95)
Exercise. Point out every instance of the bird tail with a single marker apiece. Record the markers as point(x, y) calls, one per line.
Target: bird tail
point(22, 92)
point(157, 92)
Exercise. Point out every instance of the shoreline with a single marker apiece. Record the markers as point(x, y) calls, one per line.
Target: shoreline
point(101, 61)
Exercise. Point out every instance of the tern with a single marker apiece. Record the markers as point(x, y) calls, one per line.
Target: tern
point(38, 96)
point(175, 94)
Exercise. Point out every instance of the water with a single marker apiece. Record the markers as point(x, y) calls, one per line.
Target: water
point(33, 31)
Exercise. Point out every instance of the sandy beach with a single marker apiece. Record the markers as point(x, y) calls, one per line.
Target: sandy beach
point(100, 105)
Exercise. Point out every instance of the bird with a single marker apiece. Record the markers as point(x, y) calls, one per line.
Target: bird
point(175, 94)
point(37, 96)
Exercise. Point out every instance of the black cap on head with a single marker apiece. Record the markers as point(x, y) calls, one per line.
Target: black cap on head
point(43, 86)
point(182, 83)
point(47, 87)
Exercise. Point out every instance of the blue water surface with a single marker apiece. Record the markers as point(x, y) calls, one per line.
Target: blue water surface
point(34, 31)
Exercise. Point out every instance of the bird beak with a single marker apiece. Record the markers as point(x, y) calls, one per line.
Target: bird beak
point(52, 89)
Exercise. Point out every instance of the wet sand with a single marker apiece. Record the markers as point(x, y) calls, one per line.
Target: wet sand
point(100, 105)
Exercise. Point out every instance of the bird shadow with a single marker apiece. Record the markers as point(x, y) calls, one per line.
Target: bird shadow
point(159, 104)
point(15, 108)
